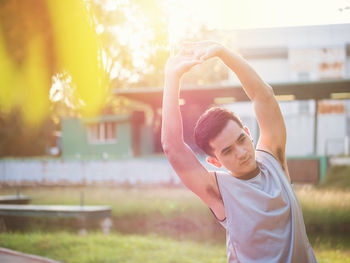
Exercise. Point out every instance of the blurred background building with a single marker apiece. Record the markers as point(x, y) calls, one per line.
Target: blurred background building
point(297, 55)
point(309, 69)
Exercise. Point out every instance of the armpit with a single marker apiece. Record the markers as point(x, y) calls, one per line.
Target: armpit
point(281, 157)
point(213, 193)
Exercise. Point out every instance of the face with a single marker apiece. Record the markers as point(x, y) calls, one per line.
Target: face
point(234, 149)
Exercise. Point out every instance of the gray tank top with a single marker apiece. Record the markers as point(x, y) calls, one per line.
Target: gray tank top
point(264, 221)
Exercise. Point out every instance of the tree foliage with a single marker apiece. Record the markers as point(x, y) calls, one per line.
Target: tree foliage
point(17, 139)
point(135, 40)
point(38, 40)
point(64, 57)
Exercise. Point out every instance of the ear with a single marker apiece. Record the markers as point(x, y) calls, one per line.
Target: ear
point(213, 161)
point(248, 132)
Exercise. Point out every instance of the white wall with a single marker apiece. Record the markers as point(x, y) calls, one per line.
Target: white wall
point(272, 71)
point(299, 117)
point(331, 134)
point(303, 36)
point(58, 171)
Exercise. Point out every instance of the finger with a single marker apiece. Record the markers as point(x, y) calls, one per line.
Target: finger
point(186, 51)
point(197, 61)
point(205, 56)
point(192, 63)
point(188, 46)
point(198, 53)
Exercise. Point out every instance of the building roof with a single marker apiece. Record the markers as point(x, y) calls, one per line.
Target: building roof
point(325, 89)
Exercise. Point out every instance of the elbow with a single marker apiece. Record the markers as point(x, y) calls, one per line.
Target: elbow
point(268, 92)
point(166, 145)
point(171, 147)
point(168, 150)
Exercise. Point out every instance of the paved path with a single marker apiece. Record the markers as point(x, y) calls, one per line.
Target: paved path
point(11, 256)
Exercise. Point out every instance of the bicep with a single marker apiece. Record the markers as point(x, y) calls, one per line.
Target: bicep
point(193, 174)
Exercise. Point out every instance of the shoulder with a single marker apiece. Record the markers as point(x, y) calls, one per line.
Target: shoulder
point(277, 154)
point(220, 176)
point(265, 156)
point(270, 160)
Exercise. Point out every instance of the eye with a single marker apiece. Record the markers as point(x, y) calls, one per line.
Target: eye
point(242, 139)
point(227, 151)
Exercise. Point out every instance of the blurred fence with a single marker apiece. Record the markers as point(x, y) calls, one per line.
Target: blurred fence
point(63, 172)
point(133, 171)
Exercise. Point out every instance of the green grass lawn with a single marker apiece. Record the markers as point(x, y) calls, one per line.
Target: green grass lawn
point(337, 178)
point(140, 209)
point(325, 210)
point(158, 224)
point(96, 247)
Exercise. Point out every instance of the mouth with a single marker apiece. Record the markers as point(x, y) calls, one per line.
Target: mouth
point(245, 161)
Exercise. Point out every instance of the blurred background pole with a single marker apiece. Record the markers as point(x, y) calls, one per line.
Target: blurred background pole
point(316, 128)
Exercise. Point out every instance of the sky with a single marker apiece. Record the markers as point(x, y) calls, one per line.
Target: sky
point(243, 14)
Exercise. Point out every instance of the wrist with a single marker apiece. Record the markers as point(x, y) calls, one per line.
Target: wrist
point(172, 79)
point(230, 58)
point(171, 76)
point(223, 51)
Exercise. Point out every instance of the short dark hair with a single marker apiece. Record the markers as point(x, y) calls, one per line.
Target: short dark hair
point(210, 124)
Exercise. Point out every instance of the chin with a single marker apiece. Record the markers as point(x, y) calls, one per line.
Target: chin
point(249, 166)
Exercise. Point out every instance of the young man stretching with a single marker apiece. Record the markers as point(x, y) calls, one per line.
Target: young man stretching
point(254, 200)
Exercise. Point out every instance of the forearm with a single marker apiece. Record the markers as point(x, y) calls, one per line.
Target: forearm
point(172, 130)
point(253, 85)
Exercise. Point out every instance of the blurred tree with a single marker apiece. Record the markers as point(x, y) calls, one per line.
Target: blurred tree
point(134, 35)
point(63, 58)
point(17, 139)
point(40, 38)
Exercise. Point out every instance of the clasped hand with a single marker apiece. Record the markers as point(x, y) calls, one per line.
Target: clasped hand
point(191, 54)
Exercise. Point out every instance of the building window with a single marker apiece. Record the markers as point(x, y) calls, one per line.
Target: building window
point(104, 132)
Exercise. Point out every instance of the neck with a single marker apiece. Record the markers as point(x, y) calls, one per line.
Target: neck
point(250, 174)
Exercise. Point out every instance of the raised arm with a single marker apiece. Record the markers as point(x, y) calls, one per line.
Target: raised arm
point(181, 157)
point(268, 114)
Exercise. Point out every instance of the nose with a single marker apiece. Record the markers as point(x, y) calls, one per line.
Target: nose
point(241, 153)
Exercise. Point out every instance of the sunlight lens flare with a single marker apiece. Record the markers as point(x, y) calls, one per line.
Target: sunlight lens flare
point(40, 41)
point(25, 86)
point(7, 79)
point(78, 52)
